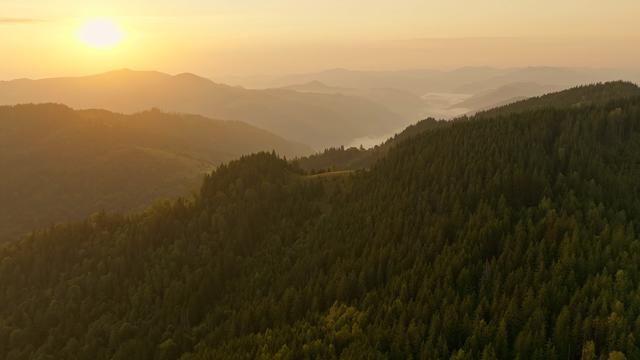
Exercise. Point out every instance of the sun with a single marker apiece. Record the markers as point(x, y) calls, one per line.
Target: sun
point(100, 33)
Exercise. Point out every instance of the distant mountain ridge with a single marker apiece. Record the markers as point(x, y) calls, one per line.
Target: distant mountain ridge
point(405, 103)
point(59, 164)
point(318, 120)
point(424, 93)
point(466, 80)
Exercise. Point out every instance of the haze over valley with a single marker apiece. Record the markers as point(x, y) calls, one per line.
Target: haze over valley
point(324, 109)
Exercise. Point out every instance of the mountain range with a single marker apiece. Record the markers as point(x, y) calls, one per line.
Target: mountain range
point(61, 164)
point(405, 103)
point(466, 80)
point(443, 93)
point(318, 120)
point(511, 234)
point(323, 109)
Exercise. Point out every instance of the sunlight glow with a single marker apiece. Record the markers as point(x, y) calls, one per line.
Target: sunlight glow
point(101, 33)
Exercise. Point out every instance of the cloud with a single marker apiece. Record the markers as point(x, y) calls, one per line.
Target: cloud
point(11, 20)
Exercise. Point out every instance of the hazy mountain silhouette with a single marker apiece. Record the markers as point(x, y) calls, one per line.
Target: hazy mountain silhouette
point(410, 80)
point(552, 76)
point(405, 103)
point(315, 119)
point(59, 164)
point(445, 94)
point(417, 81)
point(466, 80)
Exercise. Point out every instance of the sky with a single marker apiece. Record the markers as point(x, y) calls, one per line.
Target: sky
point(218, 38)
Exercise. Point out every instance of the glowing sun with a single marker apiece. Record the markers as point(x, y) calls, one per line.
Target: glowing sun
point(100, 33)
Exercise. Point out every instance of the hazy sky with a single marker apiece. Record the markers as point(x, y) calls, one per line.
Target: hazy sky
point(243, 37)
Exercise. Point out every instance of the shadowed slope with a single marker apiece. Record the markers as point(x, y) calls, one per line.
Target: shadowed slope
point(60, 164)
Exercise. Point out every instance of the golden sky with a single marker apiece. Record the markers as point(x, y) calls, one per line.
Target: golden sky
point(242, 37)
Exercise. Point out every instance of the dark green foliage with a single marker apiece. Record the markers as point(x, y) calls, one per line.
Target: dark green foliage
point(510, 237)
point(60, 164)
point(338, 159)
point(598, 94)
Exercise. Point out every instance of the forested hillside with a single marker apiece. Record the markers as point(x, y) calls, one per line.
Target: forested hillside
point(575, 97)
point(60, 165)
point(356, 158)
point(496, 238)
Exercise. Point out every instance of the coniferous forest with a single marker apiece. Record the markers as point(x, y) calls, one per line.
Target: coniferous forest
point(510, 235)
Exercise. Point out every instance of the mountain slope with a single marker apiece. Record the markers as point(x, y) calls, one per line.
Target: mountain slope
point(505, 237)
point(60, 164)
point(503, 95)
point(358, 158)
point(579, 96)
point(316, 119)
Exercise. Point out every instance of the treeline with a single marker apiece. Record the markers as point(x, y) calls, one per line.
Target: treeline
point(354, 158)
point(586, 95)
point(495, 238)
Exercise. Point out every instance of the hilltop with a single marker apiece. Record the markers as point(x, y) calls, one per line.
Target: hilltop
point(61, 164)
